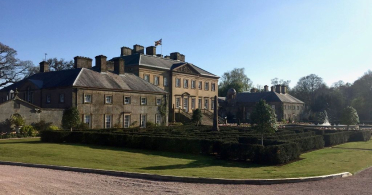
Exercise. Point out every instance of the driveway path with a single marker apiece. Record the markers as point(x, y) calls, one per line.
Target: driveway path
point(26, 180)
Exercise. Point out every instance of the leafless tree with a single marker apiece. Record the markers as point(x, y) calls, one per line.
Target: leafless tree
point(11, 68)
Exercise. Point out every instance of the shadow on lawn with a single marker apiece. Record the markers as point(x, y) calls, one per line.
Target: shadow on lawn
point(198, 161)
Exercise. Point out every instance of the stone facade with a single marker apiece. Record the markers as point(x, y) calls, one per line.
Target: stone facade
point(238, 106)
point(30, 112)
point(172, 74)
point(104, 98)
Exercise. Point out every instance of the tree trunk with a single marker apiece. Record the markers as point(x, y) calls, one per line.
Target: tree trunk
point(262, 139)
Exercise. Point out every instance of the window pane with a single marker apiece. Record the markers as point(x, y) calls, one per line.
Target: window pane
point(126, 121)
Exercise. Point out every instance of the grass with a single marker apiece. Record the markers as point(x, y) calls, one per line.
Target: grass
point(350, 157)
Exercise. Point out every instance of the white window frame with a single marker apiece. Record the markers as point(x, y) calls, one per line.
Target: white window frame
point(108, 121)
point(213, 87)
point(146, 77)
point(128, 98)
point(158, 101)
point(143, 101)
point(165, 81)
point(200, 103)
point(193, 84)
point(178, 102)
point(143, 120)
point(126, 125)
point(206, 86)
point(178, 82)
point(206, 103)
point(89, 120)
point(86, 99)
point(156, 80)
point(158, 119)
point(212, 104)
point(108, 99)
point(185, 83)
point(200, 85)
point(193, 102)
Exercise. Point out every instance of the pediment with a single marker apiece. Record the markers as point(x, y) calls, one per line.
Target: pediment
point(186, 68)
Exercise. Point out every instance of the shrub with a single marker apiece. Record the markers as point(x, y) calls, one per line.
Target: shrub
point(52, 128)
point(17, 120)
point(82, 126)
point(197, 116)
point(70, 118)
point(150, 125)
point(336, 138)
point(42, 125)
point(28, 130)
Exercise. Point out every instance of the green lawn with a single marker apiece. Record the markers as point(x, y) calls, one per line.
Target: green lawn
point(350, 157)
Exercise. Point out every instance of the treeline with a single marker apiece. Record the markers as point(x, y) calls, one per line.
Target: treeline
point(319, 97)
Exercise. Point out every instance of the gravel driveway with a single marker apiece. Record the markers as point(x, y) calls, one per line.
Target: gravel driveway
point(26, 180)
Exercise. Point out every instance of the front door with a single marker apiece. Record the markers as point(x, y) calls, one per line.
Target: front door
point(186, 104)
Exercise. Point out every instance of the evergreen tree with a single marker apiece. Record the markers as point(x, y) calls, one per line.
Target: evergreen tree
point(349, 117)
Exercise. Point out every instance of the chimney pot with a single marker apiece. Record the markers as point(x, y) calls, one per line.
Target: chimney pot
point(82, 62)
point(253, 90)
point(44, 66)
point(272, 88)
point(266, 88)
point(101, 63)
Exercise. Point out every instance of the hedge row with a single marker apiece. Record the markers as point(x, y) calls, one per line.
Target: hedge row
point(272, 154)
point(346, 136)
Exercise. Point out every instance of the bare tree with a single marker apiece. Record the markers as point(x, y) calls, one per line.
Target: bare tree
point(276, 81)
point(11, 68)
point(61, 64)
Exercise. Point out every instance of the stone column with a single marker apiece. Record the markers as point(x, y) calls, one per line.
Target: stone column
point(215, 115)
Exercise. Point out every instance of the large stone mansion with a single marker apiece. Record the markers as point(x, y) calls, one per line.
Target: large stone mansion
point(128, 90)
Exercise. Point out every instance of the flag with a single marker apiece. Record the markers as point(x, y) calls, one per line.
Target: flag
point(158, 42)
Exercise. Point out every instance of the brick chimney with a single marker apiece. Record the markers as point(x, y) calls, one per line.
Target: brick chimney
point(119, 66)
point(82, 62)
point(167, 57)
point(284, 89)
point(278, 88)
point(126, 51)
point(138, 49)
point(272, 88)
point(151, 50)
point(44, 66)
point(101, 63)
point(266, 88)
point(177, 56)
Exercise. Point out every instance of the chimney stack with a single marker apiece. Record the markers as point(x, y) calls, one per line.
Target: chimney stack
point(151, 50)
point(266, 88)
point(126, 51)
point(44, 66)
point(177, 56)
point(101, 63)
point(272, 88)
point(278, 88)
point(119, 66)
point(284, 89)
point(167, 57)
point(138, 49)
point(82, 62)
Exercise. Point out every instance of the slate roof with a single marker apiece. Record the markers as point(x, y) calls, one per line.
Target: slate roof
point(82, 77)
point(159, 62)
point(267, 96)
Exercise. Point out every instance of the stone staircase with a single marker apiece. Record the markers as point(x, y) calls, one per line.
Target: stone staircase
point(207, 119)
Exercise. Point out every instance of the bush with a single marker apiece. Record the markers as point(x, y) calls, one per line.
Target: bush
point(52, 128)
point(28, 130)
point(82, 126)
point(360, 136)
point(17, 120)
point(42, 125)
point(150, 125)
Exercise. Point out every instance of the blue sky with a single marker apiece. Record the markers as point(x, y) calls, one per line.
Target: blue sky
point(284, 39)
